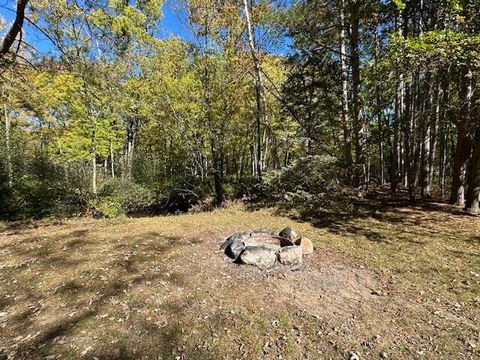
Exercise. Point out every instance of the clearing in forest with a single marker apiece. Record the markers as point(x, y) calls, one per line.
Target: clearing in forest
point(390, 282)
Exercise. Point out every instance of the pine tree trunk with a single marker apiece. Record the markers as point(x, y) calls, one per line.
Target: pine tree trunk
point(428, 119)
point(409, 141)
point(473, 193)
point(358, 121)
point(434, 137)
point(462, 154)
point(395, 174)
point(443, 135)
point(463, 148)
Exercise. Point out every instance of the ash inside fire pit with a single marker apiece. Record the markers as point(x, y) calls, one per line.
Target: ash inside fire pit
point(263, 248)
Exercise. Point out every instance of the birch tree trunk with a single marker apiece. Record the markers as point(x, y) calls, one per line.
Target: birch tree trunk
point(345, 103)
point(94, 163)
point(112, 160)
point(259, 87)
point(8, 150)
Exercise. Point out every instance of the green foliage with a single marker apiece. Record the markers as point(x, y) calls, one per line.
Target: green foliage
point(117, 197)
point(307, 182)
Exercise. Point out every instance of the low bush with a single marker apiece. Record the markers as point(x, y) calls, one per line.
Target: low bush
point(308, 181)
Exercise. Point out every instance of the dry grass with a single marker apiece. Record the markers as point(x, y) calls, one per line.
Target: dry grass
point(403, 281)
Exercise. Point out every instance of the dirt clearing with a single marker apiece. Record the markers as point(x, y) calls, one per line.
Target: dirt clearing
point(160, 288)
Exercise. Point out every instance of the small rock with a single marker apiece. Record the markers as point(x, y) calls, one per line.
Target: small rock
point(260, 256)
point(354, 356)
point(291, 255)
point(289, 233)
point(384, 355)
point(306, 245)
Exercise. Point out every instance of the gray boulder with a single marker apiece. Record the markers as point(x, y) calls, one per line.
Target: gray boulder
point(291, 255)
point(260, 256)
point(260, 232)
point(289, 233)
point(234, 244)
point(234, 250)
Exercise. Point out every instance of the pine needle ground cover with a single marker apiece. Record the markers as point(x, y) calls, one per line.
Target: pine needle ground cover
point(391, 282)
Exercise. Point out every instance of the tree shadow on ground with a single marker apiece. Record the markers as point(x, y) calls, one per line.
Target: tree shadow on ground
point(381, 206)
point(61, 284)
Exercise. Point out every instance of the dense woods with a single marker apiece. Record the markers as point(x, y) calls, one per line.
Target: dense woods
point(265, 100)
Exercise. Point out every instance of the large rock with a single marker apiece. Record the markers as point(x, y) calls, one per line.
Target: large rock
point(268, 241)
point(291, 255)
point(234, 250)
point(289, 233)
point(260, 256)
point(261, 232)
point(234, 244)
point(306, 245)
point(237, 242)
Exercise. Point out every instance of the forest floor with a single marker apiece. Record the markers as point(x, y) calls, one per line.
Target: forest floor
point(387, 280)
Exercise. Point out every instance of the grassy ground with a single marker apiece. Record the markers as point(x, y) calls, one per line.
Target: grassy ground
point(386, 281)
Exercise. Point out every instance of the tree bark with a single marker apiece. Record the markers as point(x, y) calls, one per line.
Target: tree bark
point(473, 193)
point(112, 160)
point(434, 137)
point(94, 164)
point(443, 134)
point(217, 173)
point(345, 103)
point(358, 121)
point(259, 87)
point(428, 119)
point(15, 29)
point(8, 150)
point(463, 148)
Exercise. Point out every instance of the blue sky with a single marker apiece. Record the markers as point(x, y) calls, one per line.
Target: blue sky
point(174, 23)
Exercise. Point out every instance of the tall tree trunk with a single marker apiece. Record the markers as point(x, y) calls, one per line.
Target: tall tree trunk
point(358, 121)
point(463, 149)
point(347, 142)
point(443, 134)
point(217, 173)
point(427, 118)
point(395, 175)
point(409, 142)
point(434, 137)
point(94, 163)
point(112, 160)
point(8, 150)
point(379, 110)
point(473, 193)
point(259, 87)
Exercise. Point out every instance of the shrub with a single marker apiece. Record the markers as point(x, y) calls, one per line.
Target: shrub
point(123, 197)
point(306, 182)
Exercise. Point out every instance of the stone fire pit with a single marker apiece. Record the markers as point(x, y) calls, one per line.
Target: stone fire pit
point(263, 248)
